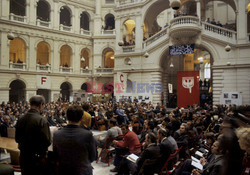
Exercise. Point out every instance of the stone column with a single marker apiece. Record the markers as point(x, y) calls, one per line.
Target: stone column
point(30, 92)
point(4, 51)
point(241, 21)
point(138, 33)
point(156, 77)
point(4, 94)
point(198, 8)
point(56, 57)
point(32, 12)
point(5, 9)
point(31, 52)
point(97, 18)
point(56, 16)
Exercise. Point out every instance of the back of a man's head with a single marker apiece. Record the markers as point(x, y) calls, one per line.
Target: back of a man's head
point(85, 107)
point(37, 100)
point(74, 113)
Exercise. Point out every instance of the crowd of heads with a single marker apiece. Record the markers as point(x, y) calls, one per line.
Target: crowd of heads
point(217, 125)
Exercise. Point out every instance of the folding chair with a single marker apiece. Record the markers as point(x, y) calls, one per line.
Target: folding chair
point(108, 151)
point(171, 158)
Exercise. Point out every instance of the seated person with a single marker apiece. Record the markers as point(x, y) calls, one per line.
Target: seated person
point(112, 132)
point(130, 144)
point(147, 162)
point(4, 126)
point(181, 138)
point(211, 165)
point(166, 147)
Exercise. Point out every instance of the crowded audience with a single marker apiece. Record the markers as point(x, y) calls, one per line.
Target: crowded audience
point(221, 133)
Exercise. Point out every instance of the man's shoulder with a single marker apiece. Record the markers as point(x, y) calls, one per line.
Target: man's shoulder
point(86, 114)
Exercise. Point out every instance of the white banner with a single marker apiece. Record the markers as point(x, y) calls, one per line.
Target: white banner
point(170, 88)
point(43, 82)
point(122, 80)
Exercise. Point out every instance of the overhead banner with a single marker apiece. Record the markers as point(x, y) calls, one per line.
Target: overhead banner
point(181, 50)
point(188, 90)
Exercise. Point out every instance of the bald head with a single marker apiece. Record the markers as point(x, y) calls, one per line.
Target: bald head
point(37, 100)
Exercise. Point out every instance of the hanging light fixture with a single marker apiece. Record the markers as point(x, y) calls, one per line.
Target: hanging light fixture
point(112, 57)
point(86, 67)
point(171, 65)
point(82, 59)
point(175, 4)
point(47, 65)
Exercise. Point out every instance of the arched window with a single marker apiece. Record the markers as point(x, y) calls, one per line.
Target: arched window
point(17, 51)
point(84, 58)
point(108, 55)
point(43, 53)
point(18, 7)
point(65, 56)
point(43, 11)
point(84, 21)
point(129, 32)
point(65, 16)
point(248, 19)
point(109, 22)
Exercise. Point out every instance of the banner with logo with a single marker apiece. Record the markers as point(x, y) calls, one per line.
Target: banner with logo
point(43, 82)
point(181, 50)
point(188, 90)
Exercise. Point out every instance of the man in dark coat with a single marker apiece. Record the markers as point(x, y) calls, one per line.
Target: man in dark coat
point(33, 138)
point(166, 147)
point(74, 147)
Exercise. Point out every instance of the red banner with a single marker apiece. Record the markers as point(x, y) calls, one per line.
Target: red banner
point(188, 90)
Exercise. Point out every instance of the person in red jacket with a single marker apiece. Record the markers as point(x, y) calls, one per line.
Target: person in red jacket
point(130, 144)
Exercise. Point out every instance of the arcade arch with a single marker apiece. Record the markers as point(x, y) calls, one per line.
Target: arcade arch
point(85, 58)
point(128, 33)
point(66, 91)
point(43, 53)
point(43, 10)
point(17, 52)
point(17, 91)
point(65, 56)
point(108, 58)
point(65, 16)
point(201, 60)
point(84, 21)
point(18, 7)
point(109, 22)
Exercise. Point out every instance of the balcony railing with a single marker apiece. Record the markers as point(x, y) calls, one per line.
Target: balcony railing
point(122, 3)
point(104, 70)
point(42, 23)
point(219, 32)
point(155, 37)
point(128, 48)
point(18, 66)
point(108, 32)
point(85, 71)
point(43, 68)
point(65, 28)
point(85, 32)
point(18, 18)
point(66, 69)
point(184, 20)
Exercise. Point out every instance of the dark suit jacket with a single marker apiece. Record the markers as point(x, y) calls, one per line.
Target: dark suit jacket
point(33, 134)
point(214, 167)
point(75, 149)
point(166, 149)
point(151, 153)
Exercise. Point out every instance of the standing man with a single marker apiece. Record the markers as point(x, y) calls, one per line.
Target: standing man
point(33, 138)
point(74, 146)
